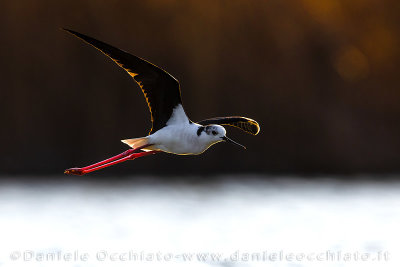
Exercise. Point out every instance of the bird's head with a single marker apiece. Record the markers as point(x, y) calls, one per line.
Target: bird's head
point(216, 133)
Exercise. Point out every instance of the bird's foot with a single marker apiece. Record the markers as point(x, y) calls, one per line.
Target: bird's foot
point(74, 171)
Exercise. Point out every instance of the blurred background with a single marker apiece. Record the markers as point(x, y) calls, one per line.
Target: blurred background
point(321, 78)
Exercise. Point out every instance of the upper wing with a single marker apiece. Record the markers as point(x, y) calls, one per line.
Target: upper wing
point(160, 89)
point(245, 124)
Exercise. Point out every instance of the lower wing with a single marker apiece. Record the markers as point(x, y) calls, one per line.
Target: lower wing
point(248, 125)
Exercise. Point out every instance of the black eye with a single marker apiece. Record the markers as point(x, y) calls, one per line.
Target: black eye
point(214, 132)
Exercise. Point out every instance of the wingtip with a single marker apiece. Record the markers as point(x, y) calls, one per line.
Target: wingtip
point(69, 31)
point(255, 123)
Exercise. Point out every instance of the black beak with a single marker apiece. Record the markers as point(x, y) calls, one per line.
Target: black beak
point(231, 141)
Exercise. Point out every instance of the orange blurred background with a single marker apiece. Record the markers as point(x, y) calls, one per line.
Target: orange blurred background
point(321, 77)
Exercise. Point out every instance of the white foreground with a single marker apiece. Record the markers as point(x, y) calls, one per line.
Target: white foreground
point(229, 222)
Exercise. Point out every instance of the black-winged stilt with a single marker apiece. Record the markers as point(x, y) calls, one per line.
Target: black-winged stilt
point(172, 131)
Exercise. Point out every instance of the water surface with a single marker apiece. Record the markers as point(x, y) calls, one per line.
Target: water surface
point(228, 221)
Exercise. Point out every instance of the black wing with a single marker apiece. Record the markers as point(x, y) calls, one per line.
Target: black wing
point(160, 89)
point(245, 124)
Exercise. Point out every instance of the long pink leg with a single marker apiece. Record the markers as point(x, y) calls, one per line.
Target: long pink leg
point(122, 155)
point(81, 171)
point(130, 157)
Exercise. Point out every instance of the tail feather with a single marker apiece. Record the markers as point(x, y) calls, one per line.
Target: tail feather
point(136, 142)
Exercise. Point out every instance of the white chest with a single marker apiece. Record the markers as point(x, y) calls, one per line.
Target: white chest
point(179, 139)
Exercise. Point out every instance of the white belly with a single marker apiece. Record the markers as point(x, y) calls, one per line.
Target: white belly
point(178, 139)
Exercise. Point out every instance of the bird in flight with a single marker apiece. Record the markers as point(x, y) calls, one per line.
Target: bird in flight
point(172, 131)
